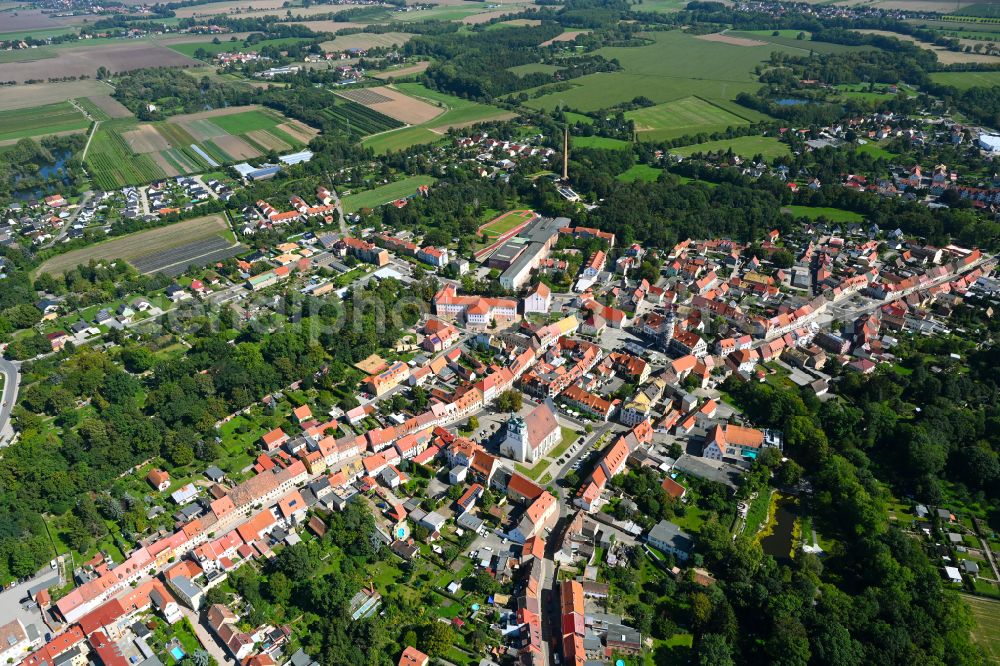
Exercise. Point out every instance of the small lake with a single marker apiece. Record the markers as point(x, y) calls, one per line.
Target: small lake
point(791, 101)
point(778, 543)
point(54, 171)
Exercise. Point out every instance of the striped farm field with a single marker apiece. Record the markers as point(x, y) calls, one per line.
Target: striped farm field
point(691, 115)
point(111, 162)
point(41, 121)
point(129, 152)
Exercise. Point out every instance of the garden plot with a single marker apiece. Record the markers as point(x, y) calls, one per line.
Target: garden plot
point(145, 139)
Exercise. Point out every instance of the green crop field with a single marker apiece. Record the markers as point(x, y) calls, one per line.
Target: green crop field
point(386, 193)
point(981, 10)
point(112, 163)
point(642, 172)
point(815, 212)
point(41, 120)
point(601, 142)
point(986, 632)
point(966, 80)
point(27, 55)
point(744, 146)
point(690, 115)
point(247, 121)
point(712, 71)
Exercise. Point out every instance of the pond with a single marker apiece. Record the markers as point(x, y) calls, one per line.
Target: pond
point(778, 540)
point(791, 101)
point(55, 171)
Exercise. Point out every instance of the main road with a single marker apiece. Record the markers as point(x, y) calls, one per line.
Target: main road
point(11, 379)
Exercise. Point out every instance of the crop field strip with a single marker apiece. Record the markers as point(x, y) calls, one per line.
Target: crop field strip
point(365, 96)
point(140, 244)
point(41, 120)
point(986, 613)
point(360, 118)
point(174, 261)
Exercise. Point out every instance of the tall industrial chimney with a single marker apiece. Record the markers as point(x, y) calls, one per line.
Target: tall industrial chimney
point(566, 154)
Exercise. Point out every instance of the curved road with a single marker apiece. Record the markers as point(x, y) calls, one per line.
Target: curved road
point(11, 379)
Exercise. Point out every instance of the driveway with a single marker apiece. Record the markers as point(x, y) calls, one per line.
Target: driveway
point(206, 639)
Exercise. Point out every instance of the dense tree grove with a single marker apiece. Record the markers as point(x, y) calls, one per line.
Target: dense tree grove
point(170, 410)
point(877, 598)
point(21, 168)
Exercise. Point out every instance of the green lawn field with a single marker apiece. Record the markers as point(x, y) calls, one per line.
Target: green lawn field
point(642, 172)
point(832, 214)
point(660, 5)
point(386, 193)
point(744, 146)
point(189, 48)
point(876, 151)
point(40, 33)
point(986, 632)
point(599, 142)
point(966, 80)
point(387, 142)
point(690, 115)
point(712, 71)
point(443, 12)
point(41, 120)
point(578, 118)
point(501, 224)
point(533, 68)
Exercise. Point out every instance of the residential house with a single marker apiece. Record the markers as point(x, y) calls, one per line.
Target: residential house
point(670, 538)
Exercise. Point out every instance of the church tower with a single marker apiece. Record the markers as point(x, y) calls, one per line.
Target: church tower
point(515, 443)
point(668, 327)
